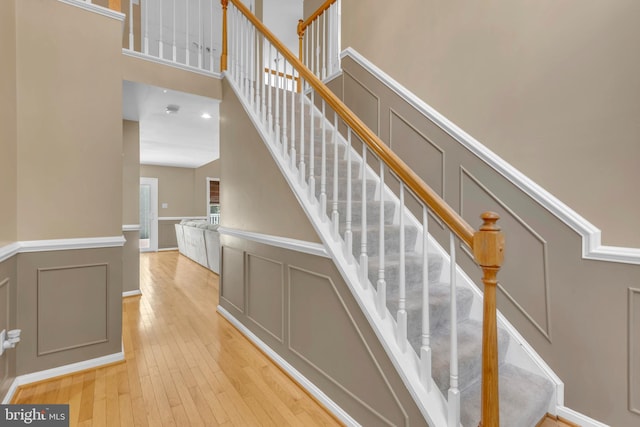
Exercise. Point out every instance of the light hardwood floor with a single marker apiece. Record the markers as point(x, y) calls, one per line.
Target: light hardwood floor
point(185, 365)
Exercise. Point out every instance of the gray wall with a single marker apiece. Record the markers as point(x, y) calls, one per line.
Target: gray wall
point(552, 88)
point(580, 316)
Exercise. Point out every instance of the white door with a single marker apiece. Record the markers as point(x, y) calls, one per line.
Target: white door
point(148, 214)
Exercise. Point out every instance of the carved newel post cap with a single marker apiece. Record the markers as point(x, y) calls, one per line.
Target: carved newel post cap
point(488, 242)
point(225, 3)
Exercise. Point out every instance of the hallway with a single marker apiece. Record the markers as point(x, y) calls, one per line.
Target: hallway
point(185, 365)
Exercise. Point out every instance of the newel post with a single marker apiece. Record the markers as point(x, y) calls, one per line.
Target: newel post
point(223, 56)
point(488, 250)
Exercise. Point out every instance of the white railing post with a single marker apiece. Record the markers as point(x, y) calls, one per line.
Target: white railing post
point(186, 32)
point(210, 20)
point(285, 139)
point(454, 392)
point(301, 166)
point(199, 21)
point(146, 24)
point(270, 93)
point(174, 49)
point(131, 44)
point(324, 45)
point(348, 234)
point(317, 47)
point(312, 153)
point(323, 166)
point(160, 42)
point(401, 333)
point(293, 119)
point(425, 349)
point(277, 94)
point(364, 258)
point(381, 286)
point(335, 216)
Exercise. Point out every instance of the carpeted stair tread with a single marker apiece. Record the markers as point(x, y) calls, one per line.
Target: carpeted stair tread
point(469, 353)
point(391, 237)
point(413, 268)
point(373, 212)
point(524, 398)
point(356, 187)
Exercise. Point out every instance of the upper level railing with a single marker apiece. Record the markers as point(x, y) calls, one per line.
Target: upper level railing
point(287, 113)
point(182, 32)
point(319, 40)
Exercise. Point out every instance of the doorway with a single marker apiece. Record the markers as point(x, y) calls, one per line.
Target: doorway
point(148, 214)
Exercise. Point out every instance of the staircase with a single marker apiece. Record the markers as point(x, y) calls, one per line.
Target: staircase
point(382, 250)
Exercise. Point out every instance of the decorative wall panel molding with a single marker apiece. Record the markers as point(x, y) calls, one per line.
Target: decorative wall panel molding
point(365, 103)
point(232, 277)
point(265, 294)
point(81, 293)
point(634, 350)
point(526, 286)
point(333, 348)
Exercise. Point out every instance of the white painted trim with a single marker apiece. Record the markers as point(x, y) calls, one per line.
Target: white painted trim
point(68, 244)
point(60, 371)
point(591, 243)
point(131, 293)
point(180, 218)
point(167, 249)
point(177, 65)
point(96, 9)
point(310, 248)
point(311, 388)
point(578, 418)
point(9, 250)
point(131, 227)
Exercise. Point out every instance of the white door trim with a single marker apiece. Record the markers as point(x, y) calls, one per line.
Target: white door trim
point(153, 226)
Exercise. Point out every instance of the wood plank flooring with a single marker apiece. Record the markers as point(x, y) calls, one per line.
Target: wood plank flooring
point(185, 365)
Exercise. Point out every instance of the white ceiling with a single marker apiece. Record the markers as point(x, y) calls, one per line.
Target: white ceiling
point(184, 139)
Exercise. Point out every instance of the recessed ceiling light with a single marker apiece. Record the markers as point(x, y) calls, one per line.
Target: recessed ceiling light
point(206, 116)
point(172, 109)
point(164, 91)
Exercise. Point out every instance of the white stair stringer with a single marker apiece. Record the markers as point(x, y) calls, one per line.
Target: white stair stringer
point(432, 404)
point(431, 400)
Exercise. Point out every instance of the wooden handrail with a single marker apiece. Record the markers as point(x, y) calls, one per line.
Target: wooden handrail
point(458, 225)
point(487, 243)
point(302, 25)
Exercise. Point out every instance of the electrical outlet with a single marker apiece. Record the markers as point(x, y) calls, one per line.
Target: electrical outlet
point(3, 336)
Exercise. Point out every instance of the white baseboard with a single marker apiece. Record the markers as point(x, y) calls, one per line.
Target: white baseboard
point(311, 388)
point(59, 371)
point(167, 249)
point(131, 293)
point(578, 418)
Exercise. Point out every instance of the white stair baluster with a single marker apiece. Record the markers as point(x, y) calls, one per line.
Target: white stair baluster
point(292, 156)
point(277, 94)
point(335, 216)
point(160, 45)
point(364, 258)
point(381, 285)
point(323, 165)
point(145, 10)
point(454, 392)
point(317, 48)
point(186, 32)
point(131, 44)
point(174, 50)
point(401, 333)
point(264, 84)
point(348, 234)
point(210, 21)
point(270, 93)
point(199, 21)
point(301, 166)
point(312, 178)
point(425, 349)
point(324, 45)
point(285, 138)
